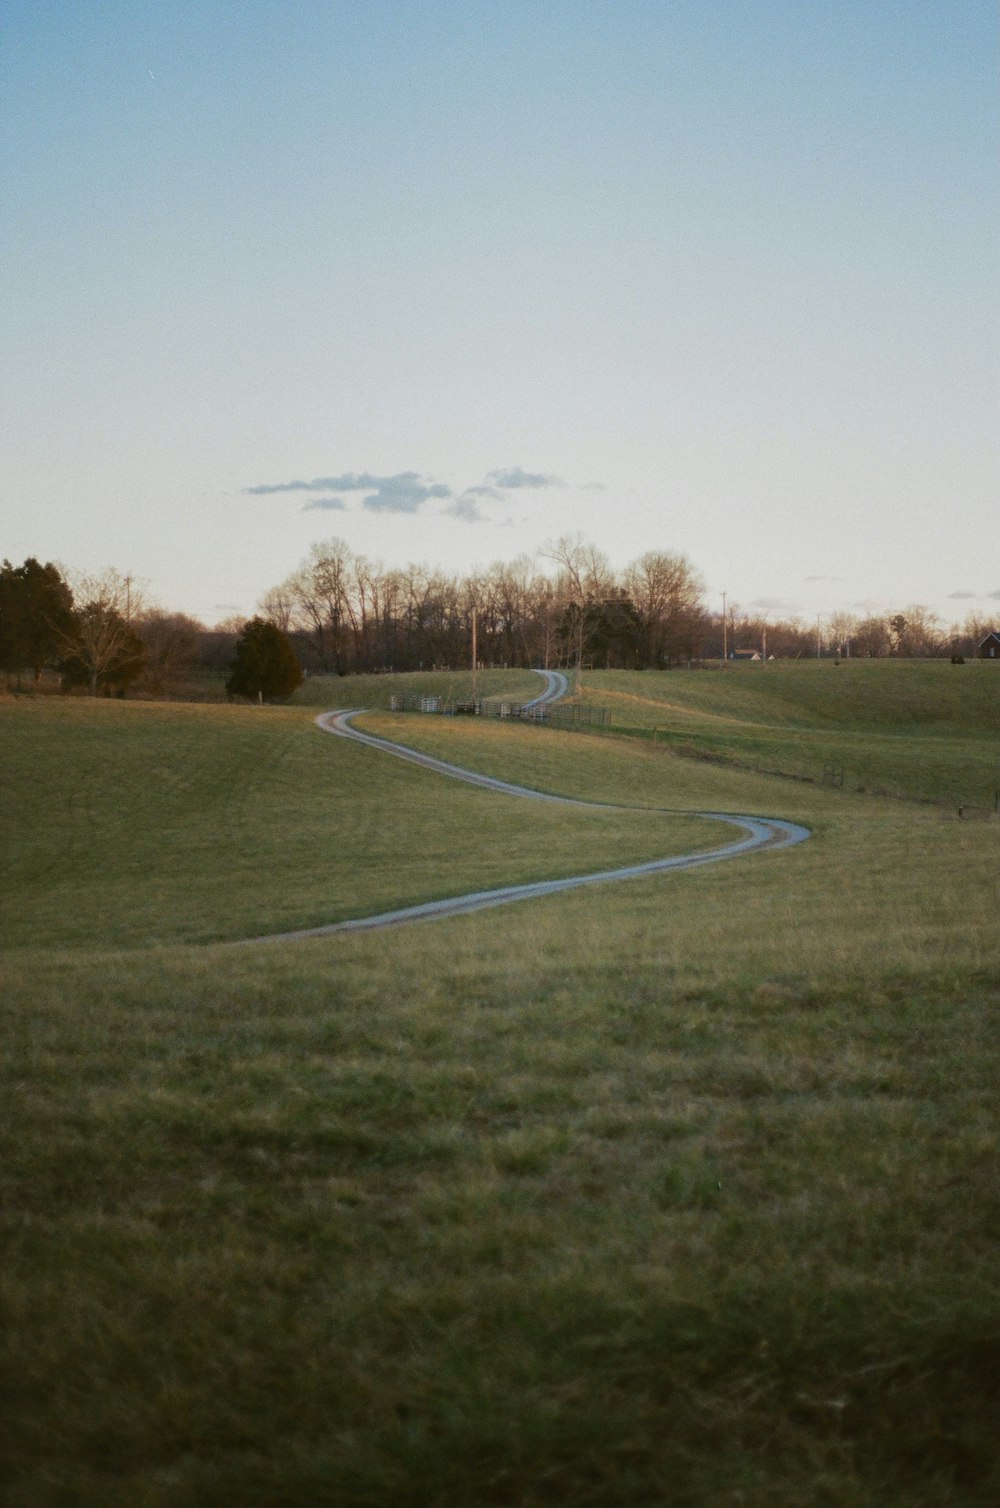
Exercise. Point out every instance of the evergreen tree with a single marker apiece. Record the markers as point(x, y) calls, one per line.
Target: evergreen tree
point(36, 615)
point(265, 665)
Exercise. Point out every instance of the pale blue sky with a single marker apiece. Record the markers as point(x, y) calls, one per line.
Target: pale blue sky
point(717, 276)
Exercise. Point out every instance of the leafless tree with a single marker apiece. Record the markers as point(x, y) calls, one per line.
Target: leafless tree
point(102, 641)
point(916, 632)
point(311, 602)
point(172, 642)
point(667, 594)
point(841, 629)
point(872, 636)
point(277, 606)
point(584, 577)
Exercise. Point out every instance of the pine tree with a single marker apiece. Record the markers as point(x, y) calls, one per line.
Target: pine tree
point(265, 665)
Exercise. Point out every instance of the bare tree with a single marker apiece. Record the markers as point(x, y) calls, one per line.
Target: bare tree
point(312, 602)
point(915, 632)
point(925, 631)
point(524, 595)
point(277, 606)
point(172, 642)
point(872, 636)
point(842, 627)
point(101, 646)
point(666, 591)
point(584, 577)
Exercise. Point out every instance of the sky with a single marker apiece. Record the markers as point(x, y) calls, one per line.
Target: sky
point(450, 279)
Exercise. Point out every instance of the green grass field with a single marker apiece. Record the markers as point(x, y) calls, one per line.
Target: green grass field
point(325, 691)
point(142, 824)
point(681, 1191)
point(924, 729)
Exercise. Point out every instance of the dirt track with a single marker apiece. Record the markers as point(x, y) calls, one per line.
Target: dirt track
point(759, 833)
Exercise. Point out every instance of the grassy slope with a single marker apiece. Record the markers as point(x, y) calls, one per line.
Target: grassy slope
point(927, 729)
point(136, 824)
point(376, 690)
point(678, 1192)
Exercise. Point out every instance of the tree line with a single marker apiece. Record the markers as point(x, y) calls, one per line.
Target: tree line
point(346, 613)
point(341, 613)
point(97, 632)
point(94, 631)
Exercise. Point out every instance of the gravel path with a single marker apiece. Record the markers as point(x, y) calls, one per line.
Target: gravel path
point(758, 833)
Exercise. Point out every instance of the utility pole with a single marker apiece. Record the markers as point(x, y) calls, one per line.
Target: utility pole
point(819, 640)
point(725, 632)
point(475, 659)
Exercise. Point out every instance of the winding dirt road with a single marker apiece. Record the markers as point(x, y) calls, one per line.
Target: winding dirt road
point(758, 833)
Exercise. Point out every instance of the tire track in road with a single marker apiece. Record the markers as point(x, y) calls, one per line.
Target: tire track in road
point(759, 833)
point(556, 687)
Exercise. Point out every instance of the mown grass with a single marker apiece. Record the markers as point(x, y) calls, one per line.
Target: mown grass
point(451, 686)
point(137, 824)
point(678, 1192)
point(921, 729)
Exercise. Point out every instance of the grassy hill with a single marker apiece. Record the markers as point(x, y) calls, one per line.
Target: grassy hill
point(133, 824)
point(927, 729)
point(676, 1191)
point(329, 691)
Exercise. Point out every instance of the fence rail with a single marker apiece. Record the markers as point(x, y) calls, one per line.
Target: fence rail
point(556, 716)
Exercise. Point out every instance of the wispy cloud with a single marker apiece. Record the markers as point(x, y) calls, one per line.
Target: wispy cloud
point(512, 477)
point(267, 487)
point(350, 481)
point(994, 596)
point(407, 491)
point(403, 493)
point(962, 596)
point(467, 508)
point(774, 605)
point(822, 578)
point(468, 505)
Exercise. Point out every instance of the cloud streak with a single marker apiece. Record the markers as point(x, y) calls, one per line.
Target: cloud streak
point(512, 477)
point(404, 492)
point(774, 605)
point(408, 491)
point(467, 508)
point(349, 481)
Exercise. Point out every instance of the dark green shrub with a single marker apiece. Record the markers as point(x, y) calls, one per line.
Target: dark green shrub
point(265, 666)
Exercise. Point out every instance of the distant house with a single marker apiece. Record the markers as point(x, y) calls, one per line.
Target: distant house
point(744, 654)
point(989, 649)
